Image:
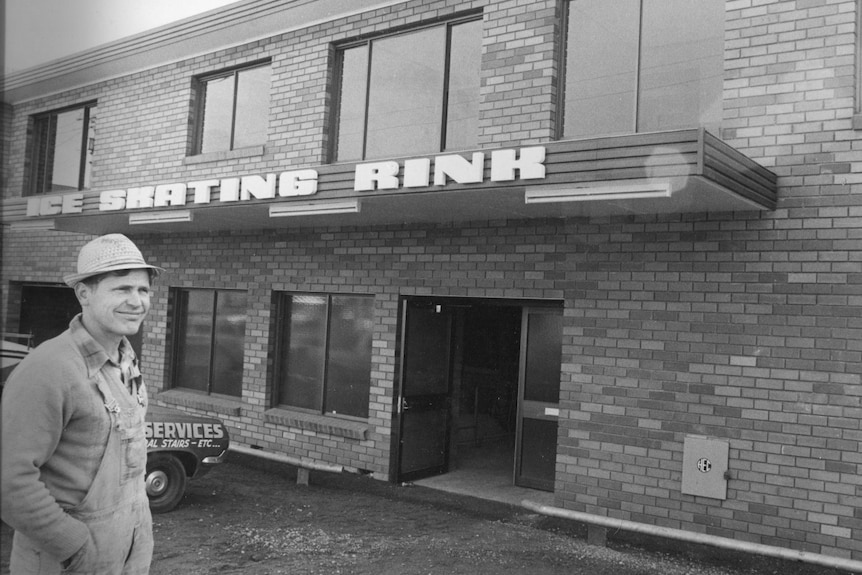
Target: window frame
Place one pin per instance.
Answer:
(282, 320)
(38, 165)
(179, 339)
(338, 63)
(200, 83)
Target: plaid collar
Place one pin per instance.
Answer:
(95, 356)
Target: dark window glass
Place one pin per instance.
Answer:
(422, 93)
(324, 359)
(348, 377)
(235, 109)
(62, 150)
(465, 62)
(218, 115)
(682, 70)
(210, 340)
(303, 351)
(229, 342)
(252, 107)
(544, 357)
(601, 68)
(351, 107)
(194, 339)
(405, 100)
(647, 65)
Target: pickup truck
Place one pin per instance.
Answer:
(180, 446)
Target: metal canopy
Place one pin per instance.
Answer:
(660, 173)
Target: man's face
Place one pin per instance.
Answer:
(115, 306)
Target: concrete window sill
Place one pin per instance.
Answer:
(320, 423)
(221, 405)
(250, 152)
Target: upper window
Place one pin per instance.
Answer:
(324, 353)
(210, 340)
(413, 93)
(644, 66)
(234, 109)
(62, 150)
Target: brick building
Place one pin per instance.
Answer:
(623, 250)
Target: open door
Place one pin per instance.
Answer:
(425, 387)
(539, 397)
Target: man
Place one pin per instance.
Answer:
(74, 451)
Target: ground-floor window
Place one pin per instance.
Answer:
(210, 340)
(324, 352)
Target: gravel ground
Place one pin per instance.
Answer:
(249, 516)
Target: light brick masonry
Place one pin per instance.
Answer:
(740, 326)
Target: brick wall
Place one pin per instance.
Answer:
(520, 72)
(743, 327)
(708, 327)
(143, 118)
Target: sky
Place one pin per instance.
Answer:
(38, 31)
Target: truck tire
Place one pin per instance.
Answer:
(166, 481)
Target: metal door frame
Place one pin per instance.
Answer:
(541, 306)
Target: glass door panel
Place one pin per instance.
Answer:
(539, 388)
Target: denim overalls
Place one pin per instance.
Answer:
(116, 508)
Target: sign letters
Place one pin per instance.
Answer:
(439, 171)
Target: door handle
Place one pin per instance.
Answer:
(404, 406)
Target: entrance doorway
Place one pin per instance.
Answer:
(478, 391)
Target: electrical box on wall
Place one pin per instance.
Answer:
(704, 467)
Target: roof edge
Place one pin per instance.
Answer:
(231, 25)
